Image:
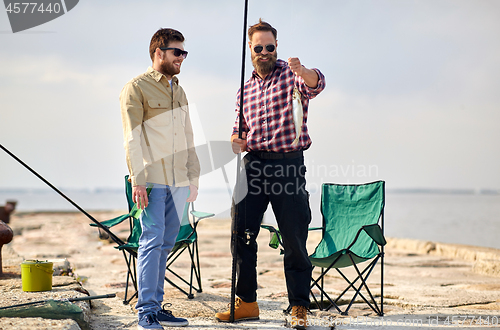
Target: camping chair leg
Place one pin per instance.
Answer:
(320, 307)
(132, 269)
(128, 276)
(332, 303)
(376, 309)
(176, 286)
(360, 277)
(191, 296)
(382, 270)
(171, 260)
(198, 269)
(323, 295)
(322, 286)
(315, 301)
(323, 273)
(363, 283)
(358, 290)
(382, 282)
(186, 239)
(195, 266)
(351, 284)
(134, 280)
(131, 274)
(321, 277)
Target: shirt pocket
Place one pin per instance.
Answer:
(183, 113)
(158, 113)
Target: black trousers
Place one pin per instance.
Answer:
(280, 182)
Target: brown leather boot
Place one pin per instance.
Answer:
(299, 317)
(242, 311)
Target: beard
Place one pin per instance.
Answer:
(264, 68)
(169, 69)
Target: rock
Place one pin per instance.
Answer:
(6, 235)
(487, 266)
(7, 210)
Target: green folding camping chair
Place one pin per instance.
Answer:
(351, 235)
(187, 239)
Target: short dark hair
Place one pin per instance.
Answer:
(162, 38)
(261, 26)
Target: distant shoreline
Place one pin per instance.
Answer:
(494, 192)
(442, 191)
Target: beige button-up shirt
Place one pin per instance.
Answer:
(157, 131)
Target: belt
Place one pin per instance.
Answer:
(276, 155)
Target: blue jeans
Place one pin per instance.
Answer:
(160, 223)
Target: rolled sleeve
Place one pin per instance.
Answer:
(310, 92)
(236, 126)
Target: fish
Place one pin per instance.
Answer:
(298, 115)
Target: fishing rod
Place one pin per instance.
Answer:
(110, 295)
(234, 225)
(113, 236)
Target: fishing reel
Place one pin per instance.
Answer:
(249, 237)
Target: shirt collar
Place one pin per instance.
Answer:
(157, 75)
(279, 64)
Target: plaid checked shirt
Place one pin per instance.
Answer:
(268, 110)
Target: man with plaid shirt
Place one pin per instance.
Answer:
(275, 171)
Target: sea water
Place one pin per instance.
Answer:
(472, 219)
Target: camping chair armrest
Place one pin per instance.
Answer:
(198, 216)
(201, 215)
(275, 240)
(112, 222)
(373, 231)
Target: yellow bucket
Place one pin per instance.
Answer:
(36, 275)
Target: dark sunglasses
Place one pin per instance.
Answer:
(270, 48)
(177, 52)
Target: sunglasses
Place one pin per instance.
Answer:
(177, 52)
(270, 48)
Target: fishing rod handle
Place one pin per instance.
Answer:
(109, 295)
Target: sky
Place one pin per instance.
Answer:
(411, 97)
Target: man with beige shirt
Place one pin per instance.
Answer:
(160, 153)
